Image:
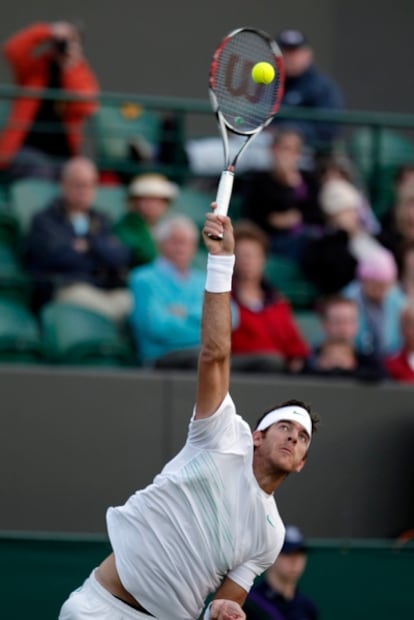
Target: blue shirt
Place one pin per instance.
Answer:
(264, 603)
(167, 308)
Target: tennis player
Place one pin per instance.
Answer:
(208, 524)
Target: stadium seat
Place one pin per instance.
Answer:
(14, 282)
(28, 197)
(395, 150)
(286, 276)
(111, 200)
(115, 126)
(20, 339)
(309, 325)
(9, 225)
(74, 335)
(193, 203)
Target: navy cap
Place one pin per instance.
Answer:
(294, 540)
(291, 38)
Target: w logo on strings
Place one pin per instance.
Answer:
(245, 87)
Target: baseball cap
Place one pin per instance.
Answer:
(153, 184)
(291, 38)
(294, 540)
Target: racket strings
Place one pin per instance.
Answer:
(245, 105)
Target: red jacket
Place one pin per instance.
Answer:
(31, 71)
(270, 330)
(398, 368)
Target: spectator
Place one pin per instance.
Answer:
(168, 297)
(149, 197)
(266, 338)
(329, 259)
(339, 166)
(407, 269)
(277, 596)
(72, 254)
(41, 132)
(284, 200)
(336, 353)
(400, 366)
(399, 229)
(379, 300)
(336, 358)
(404, 175)
(307, 87)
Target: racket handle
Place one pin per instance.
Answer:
(224, 191)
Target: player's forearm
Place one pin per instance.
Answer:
(216, 327)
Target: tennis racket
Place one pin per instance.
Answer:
(241, 105)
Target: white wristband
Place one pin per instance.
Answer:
(219, 273)
(206, 615)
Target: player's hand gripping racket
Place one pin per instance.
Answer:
(243, 104)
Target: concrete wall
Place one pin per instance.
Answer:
(75, 442)
(164, 48)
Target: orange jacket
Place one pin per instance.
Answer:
(31, 71)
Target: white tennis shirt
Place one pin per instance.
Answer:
(203, 517)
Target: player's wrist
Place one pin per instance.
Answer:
(219, 273)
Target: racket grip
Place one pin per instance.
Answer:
(224, 191)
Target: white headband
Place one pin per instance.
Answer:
(290, 412)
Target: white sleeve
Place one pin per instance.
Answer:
(225, 430)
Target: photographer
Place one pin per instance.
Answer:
(42, 133)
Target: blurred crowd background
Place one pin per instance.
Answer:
(109, 160)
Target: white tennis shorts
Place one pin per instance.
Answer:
(92, 602)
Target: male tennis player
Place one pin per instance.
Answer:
(208, 523)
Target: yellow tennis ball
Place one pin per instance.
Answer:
(263, 73)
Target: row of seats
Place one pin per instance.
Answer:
(70, 335)
(65, 334)
(26, 197)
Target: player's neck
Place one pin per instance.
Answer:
(267, 479)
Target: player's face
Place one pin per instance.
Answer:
(283, 446)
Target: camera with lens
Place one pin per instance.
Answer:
(60, 46)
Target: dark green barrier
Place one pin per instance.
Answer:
(362, 580)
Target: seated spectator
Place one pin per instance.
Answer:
(330, 258)
(276, 596)
(149, 196)
(266, 338)
(337, 353)
(400, 366)
(167, 296)
(339, 166)
(284, 200)
(41, 133)
(399, 229)
(71, 252)
(307, 87)
(379, 300)
(404, 175)
(406, 263)
(336, 357)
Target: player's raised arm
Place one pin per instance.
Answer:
(214, 360)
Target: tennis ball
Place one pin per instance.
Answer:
(263, 73)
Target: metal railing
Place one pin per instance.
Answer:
(176, 120)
